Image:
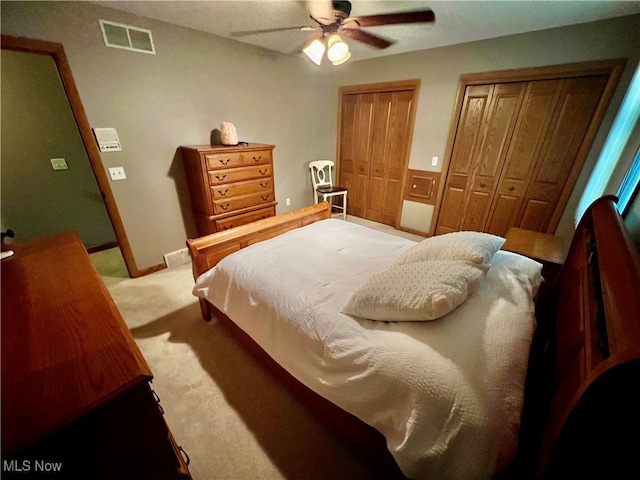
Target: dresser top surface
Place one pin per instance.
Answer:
(227, 148)
(65, 347)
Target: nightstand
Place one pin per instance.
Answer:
(541, 247)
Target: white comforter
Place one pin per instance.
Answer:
(447, 394)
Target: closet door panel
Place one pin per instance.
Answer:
(379, 155)
(468, 136)
(504, 109)
(572, 116)
(361, 154)
(531, 127)
(346, 177)
(396, 151)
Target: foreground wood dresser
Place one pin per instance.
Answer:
(229, 186)
(76, 397)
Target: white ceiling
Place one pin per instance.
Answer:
(457, 21)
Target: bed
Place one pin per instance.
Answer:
(484, 389)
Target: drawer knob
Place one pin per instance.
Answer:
(263, 172)
(414, 186)
(511, 188)
(223, 192)
(224, 206)
(482, 184)
(224, 161)
(221, 177)
(264, 197)
(264, 184)
(257, 159)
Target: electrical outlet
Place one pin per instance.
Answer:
(434, 161)
(117, 173)
(288, 201)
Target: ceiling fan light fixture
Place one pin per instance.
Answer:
(338, 50)
(343, 59)
(314, 51)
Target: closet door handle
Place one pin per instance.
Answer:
(511, 188)
(482, 185)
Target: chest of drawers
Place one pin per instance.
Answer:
(229, 186)
(76, 396)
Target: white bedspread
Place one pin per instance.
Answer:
(446, 394)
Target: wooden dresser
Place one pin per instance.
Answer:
(229, 186)
(76, 397)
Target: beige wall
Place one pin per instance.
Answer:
(196, 81)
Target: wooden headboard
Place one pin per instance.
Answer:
(593, 313)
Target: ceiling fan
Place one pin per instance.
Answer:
(333, 17)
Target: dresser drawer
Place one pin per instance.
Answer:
(236, 174)
(250, 187)
(237, 220)
(237, 203)
(237, 159)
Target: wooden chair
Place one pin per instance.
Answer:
(323, 189)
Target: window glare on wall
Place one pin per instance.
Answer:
(614, 145)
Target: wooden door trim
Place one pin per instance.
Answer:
(611, 68)
(397, 86)
(56, 51)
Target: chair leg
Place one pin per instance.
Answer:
(344, 207)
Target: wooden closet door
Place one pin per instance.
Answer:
(468, 136)
(472, 190)
(357, 111)
(390, 128)
(375, 132)
(530, 132)
(543, 200)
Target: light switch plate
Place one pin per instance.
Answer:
(434, 161)
(59, 164)
(117, 173)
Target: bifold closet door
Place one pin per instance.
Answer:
(486, 123)
(514, 152)
(375, 130)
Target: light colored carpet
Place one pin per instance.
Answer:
(235, 421)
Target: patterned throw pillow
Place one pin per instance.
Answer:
(416, 291)
(476, 247)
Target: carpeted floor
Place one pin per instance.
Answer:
(235, 421)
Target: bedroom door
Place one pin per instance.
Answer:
(518, 149)
(376, 127)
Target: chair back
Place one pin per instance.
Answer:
(321, 173)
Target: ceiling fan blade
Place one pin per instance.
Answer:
(368, 38)
(268, 30)
(416, 16)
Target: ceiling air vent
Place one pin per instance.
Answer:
(127, 37)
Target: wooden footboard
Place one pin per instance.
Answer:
(207, 251)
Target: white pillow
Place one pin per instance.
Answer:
(415, 291)
(476, 247)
